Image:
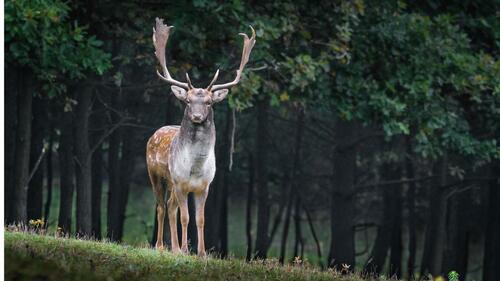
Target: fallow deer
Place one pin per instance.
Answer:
(183, 156)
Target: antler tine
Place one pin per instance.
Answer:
(248, 44)
(160, 38)
(190, 85)
(213, 80)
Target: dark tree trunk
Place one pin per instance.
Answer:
(297, 184)
(261, 242)
(456, 252)
(23, 137)
(315, 236)
(285, 189)
(491, 258)
(97, 180)
(292, 195)
(35, 186)
(223, 220)
(121, 169)
(114, 189)
(212, 206)
(286, 227)
(126, 172)
(342, 210)
(380, 249)
(10, 123)
(50, 174)
(97, 120)
(249, 207)
(67, 172)
(432, 259)
(396, 226)
(299, 240)
(83, 163)
(412, 229)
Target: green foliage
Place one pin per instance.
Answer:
(453, 276)
(419, 75)
(40, 37)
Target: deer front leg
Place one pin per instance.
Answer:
(182, 200)
(200, 199)
(172, 220)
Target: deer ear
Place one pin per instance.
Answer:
(179, 92)
(219, 95)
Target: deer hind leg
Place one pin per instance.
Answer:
(160, 209)
(172, 220)
(200, 199)
(182, 201)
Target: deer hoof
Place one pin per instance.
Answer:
(202, 254)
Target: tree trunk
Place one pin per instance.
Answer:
(126, 173)
(35, 186)
(342, 205)
(491, 258)
(249, 207)
(292, 194)
(299, 240)
(396, 226)
(23, 137)
(456, 251)
(314, 235)
(97, 180)
(389, 230)
(114, 189)
(50, 174)
(286, 227)
(412, 229)
(432, 259)
(97, 120)
(120, 169)
(223, 221)
(261, 242)
(10, 123)
(83, 163)
(380, 249)
(66, 172)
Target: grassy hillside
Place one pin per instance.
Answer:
(43, 257)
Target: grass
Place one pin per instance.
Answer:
(31, 256)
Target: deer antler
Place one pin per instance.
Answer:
(160, 38)
(248, 44)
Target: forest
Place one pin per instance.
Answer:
(363, 136)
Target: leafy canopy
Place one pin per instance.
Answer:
(40, 37)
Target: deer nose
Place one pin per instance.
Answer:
(197, 117)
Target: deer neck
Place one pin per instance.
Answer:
(198, 139)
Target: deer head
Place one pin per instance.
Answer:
(198, 100)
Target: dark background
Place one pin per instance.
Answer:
(365, 132)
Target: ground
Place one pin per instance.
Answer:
(31, 256)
